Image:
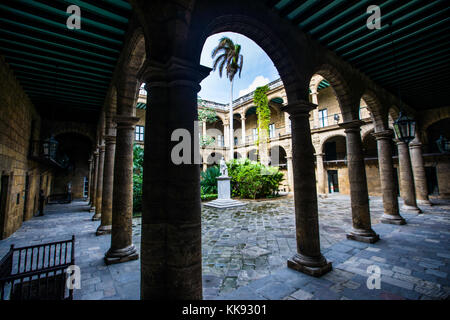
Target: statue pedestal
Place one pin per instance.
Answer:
(224, 200)
(224, 187)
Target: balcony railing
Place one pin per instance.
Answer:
(249, 96)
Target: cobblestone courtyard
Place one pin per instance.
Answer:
(245, 252)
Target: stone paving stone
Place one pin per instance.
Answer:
(267, 230)
(301, 295)
(242, 293)
(275, 290)
(437, 273)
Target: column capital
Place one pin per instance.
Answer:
(125, 122)
(415, 144)
(383, 135)
(175, 72)
(95, 153)
(352, 125)
(399, 142)
(299, 108)
(101, 148)
(319, 154)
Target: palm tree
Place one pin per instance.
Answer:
(228, 56)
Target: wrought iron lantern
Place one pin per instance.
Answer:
(443, 144)
(50, 146)
(405, 128)
(336, 117)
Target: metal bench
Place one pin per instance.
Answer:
(37, 272)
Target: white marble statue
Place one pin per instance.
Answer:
(223, 168)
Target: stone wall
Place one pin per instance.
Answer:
(19, 124)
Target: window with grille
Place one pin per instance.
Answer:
(272, 130)
(323, 118)
(139, 133)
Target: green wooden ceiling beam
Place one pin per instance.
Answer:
(410, 61)
(435, 40)
(27, 76)
(36, 87)
(61, 69)
(57, 74)
(57, 53)
(362, 29)
(49, 84)
(64, 15)
(416, 34)
(386, 38)
(49, 44)
(59, 25)
(73, 40)
(96, 10)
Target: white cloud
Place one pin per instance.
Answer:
(257, 82)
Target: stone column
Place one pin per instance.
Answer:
(308, 258)
(90, 180)
(359, 196)
(418, 168)
(108, 178)
(99, 192)
(226, 130)
(315, 100)
(287, 128)
(171, 262)
(204, 128)
(243, 129)
(406, 178)
(386, 167)
(94, 181)
(122, 248)
(321, 176)
(289, 172)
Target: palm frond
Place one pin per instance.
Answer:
(241, 63)
(230, 58)
(218, 60)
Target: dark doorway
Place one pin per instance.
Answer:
(333, 181)
(432, 180)
(330, 151)
(3, 203)
(25, 200)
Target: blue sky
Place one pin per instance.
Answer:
(257, 70)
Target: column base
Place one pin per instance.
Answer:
(103, 230)
(409, 208)
(97, 217)
(367, 236)
(92, 209)
(315, 267)
(121, 255)
(425, 203)
(390, 219)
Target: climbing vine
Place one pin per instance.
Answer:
(263, 113)
(207, 115)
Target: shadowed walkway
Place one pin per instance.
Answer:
(245, 252)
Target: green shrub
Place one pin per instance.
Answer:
(250, 179)
(207, 197)
(208, 182)
(138, 161)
